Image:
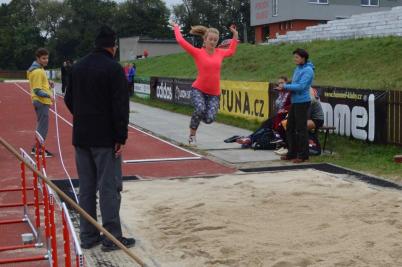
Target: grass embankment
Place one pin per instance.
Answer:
(353, 154)
(373, 63)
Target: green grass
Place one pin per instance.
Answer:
(361, 156)
(353, 154)
(373, 63)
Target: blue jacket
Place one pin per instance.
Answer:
(302, 80)
(131, 74)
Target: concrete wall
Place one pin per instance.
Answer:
(261, 10)
(131, 47)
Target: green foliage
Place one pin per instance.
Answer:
(68, 28)
(142, 18)
(19, 35)
(219, 14)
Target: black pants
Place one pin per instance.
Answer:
(63, 85)
(99, 170)
(297, 132)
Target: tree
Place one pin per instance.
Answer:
(50, 14)
(19, 35)
(68, 28)
(142, 18)
(219, 14)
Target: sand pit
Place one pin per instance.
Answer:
(297, 218)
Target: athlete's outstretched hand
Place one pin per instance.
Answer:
(172, 23)
(234, 31)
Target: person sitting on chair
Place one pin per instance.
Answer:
(281, 109)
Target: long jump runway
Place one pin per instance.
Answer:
(145, 155)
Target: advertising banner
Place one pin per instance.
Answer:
(182, 91)
(142, 87)
(164, 89)
(358, 113)
(244, 99)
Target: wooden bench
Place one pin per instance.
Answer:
(326, 130)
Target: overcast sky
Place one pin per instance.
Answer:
(168, 2)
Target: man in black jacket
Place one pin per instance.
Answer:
(98, 99)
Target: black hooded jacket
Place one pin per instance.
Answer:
(97, 97)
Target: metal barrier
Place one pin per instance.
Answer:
(50, 204)
(50, 230)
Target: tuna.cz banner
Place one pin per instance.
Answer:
(245, 99)
(242, 99)
(356, 113)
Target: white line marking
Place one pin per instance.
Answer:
(161, 159)
(197, 156)
(164, 141)
(66, 121)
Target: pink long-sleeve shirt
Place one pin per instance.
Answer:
(208, 66)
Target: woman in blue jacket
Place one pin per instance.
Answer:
(296, 131)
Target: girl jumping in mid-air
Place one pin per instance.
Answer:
(206, 91)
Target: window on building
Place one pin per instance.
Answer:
(370, 2)
(319, 1)
(274, 8)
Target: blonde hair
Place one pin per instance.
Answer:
(202, 30)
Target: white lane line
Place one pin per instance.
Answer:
(58, 115)
(197, 156)
(164, 141)
(159, 160)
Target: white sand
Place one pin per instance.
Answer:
(298, 218)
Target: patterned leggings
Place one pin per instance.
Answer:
(205, 108)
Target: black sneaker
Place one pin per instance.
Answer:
(89, 245)
(48, 154)
(108, 245)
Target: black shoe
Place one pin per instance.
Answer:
(108, 245)
(47, 153)
(232, 139)
(89, 245)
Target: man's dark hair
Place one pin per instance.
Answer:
(105, 38)
(302, 53)
(41, 52)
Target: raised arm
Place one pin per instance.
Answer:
(183, 43)
(233, 44)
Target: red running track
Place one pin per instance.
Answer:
(18, 123)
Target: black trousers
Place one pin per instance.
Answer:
(297, 132)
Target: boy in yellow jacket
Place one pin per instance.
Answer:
(41, 93)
